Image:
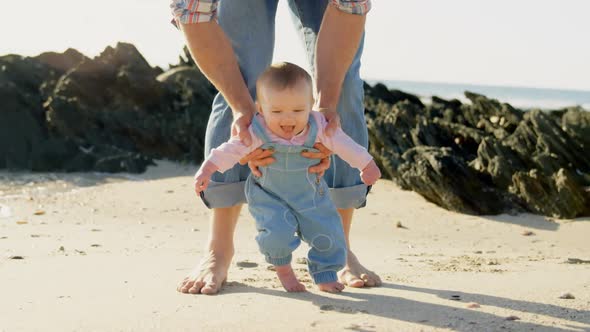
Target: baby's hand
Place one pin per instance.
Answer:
(201, 182)
(370, 173)
(203, 176)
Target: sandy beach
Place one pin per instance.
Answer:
(97, 252)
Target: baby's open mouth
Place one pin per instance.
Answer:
(288, 129)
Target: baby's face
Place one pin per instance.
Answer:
(286, 112)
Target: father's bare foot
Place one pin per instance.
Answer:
(288, 279)
(331, 287)
(208, 276)
(356, 275)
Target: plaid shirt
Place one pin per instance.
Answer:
(196, 11)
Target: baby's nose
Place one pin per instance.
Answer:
(288, 121)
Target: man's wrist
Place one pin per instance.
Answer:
(243, 110)
(327, 109)
(242, 113)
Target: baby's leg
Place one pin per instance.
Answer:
(288, 279)
(276, 238)
(322, 230)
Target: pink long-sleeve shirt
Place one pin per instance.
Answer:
(229, 153)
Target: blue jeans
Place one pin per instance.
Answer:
(250, 27)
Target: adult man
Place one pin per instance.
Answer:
(232, 42)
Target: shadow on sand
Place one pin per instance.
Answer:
(430, 314)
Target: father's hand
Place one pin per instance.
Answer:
(240, 127)
(333, 120)
(257, 158)
(324, 155)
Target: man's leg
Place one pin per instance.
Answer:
(250, 27)
(347, 190)
(354, 274)
(210, 274)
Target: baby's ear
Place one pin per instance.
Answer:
(259, 108)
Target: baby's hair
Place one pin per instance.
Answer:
(282, 75)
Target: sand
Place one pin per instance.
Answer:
(105, 253)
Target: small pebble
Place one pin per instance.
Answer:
(39, 212)
(271, 268)
(16, 257)
(512, 318)
(527, 233)
(455, 297)
(22, 222)
(194, 230)
(567, 296)
(399, 224)
(246, 264)
(473, 305)
(478, 252)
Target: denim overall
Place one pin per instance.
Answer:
(290, 204)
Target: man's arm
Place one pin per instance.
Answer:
(341, 31)
(214, 55)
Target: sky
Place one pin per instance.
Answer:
(530, 43)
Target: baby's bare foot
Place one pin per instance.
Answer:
(208, 276)
(356, 275)
(288, 279)
(331, 287)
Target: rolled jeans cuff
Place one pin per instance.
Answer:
(278, 261)
(325, 277)
(350, 197)
(221, 194)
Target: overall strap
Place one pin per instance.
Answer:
(313, 131)
(259, 130)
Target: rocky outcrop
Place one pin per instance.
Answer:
(485, 157)
(114, 112)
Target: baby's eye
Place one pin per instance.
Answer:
(298, 111)
(276, 112)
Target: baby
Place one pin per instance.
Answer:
(287, 202)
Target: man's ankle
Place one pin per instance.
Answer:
(221, 252)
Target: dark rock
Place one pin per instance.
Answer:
(558, 195)
(541, 141)
(497, 160)
(448, 181)
(62, 62)
(380, 91)
(483, 158)
(117, 100)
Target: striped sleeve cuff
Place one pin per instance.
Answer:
(357, 7)
(193, 11)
